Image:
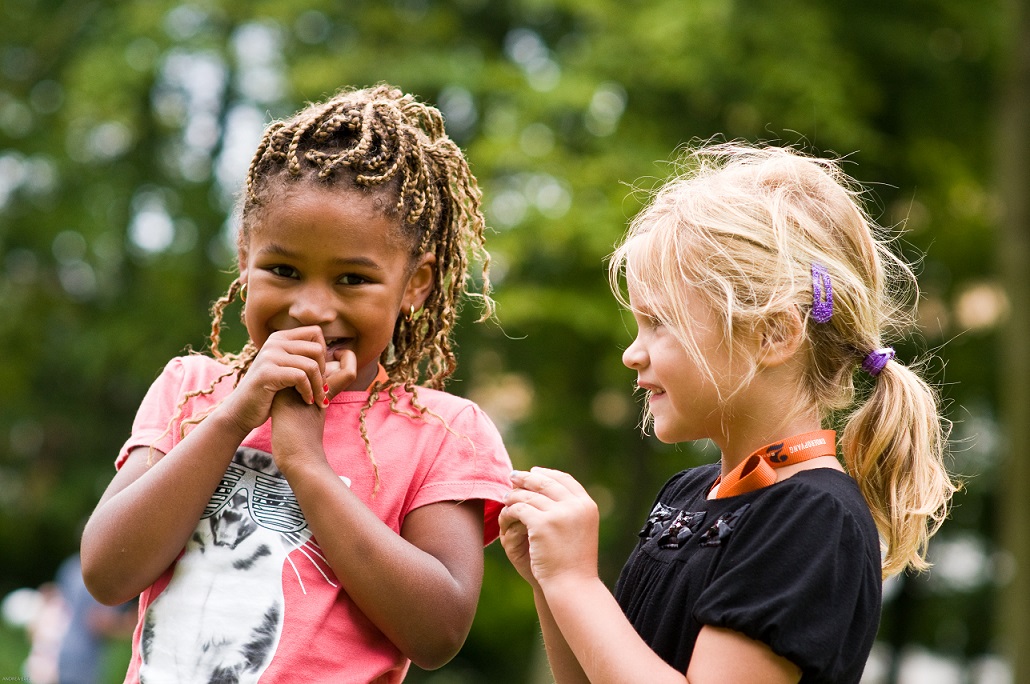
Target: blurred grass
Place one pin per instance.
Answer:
(14, 648)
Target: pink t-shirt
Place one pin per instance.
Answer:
(251, 598)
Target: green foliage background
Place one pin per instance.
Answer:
(125, 127)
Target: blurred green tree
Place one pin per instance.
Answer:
(1013, 253)
(126, 128)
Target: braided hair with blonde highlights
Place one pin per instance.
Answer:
(385, 143)
(382, 140)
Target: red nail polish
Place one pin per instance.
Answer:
(325, 387)
(325, 401)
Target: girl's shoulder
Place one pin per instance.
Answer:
(823, 503)
(197, 368)
(190, 373)
(194, 362)
(821, 488)
(819, 498)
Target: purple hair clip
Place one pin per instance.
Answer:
(875, 360)
(822, 294)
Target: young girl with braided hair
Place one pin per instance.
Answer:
(760, 290)
(302, 510)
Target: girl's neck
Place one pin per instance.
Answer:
(743, 439)
(772, 408)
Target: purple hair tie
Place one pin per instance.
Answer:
(822, 294)
(875, 360)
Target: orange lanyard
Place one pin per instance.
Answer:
(759, 469)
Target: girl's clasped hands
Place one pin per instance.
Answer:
(295, 359)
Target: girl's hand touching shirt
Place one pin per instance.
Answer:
(549, 526)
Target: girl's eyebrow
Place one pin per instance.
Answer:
(642, 310)
(274, 249)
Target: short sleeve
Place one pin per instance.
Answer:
(151, 426)
(472, 463)
(798, 576)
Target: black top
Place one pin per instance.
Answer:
(795, 565)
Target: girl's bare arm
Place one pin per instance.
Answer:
(147, 513)
(515, 540)
(420, 588)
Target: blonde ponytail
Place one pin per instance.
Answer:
(894, 445)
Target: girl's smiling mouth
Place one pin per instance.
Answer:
(648, 387)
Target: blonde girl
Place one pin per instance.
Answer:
(300, 510)
(764, 299)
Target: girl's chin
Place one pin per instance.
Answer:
(668, 434)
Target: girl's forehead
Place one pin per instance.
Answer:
(656, 291)
(377, 200)
(648, 252)
(644, 298)
(299, 200)
(330, 222)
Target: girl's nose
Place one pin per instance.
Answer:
(313, 305)
(634, 357)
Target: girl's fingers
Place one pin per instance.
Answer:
(302, 349)
(564, 479)
(551, 483)
(523, 513)
(312, 350)
(507, 520)
(307, 342)
(300, 380)
(537, 500)
(311, 333)
(310, 386)
(340, 374)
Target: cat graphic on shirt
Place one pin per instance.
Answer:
(220, 618)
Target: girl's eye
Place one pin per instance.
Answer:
(352, 279)
(283, 271)
(650, 322)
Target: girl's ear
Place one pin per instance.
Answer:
(781, 336)
(420, 283)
